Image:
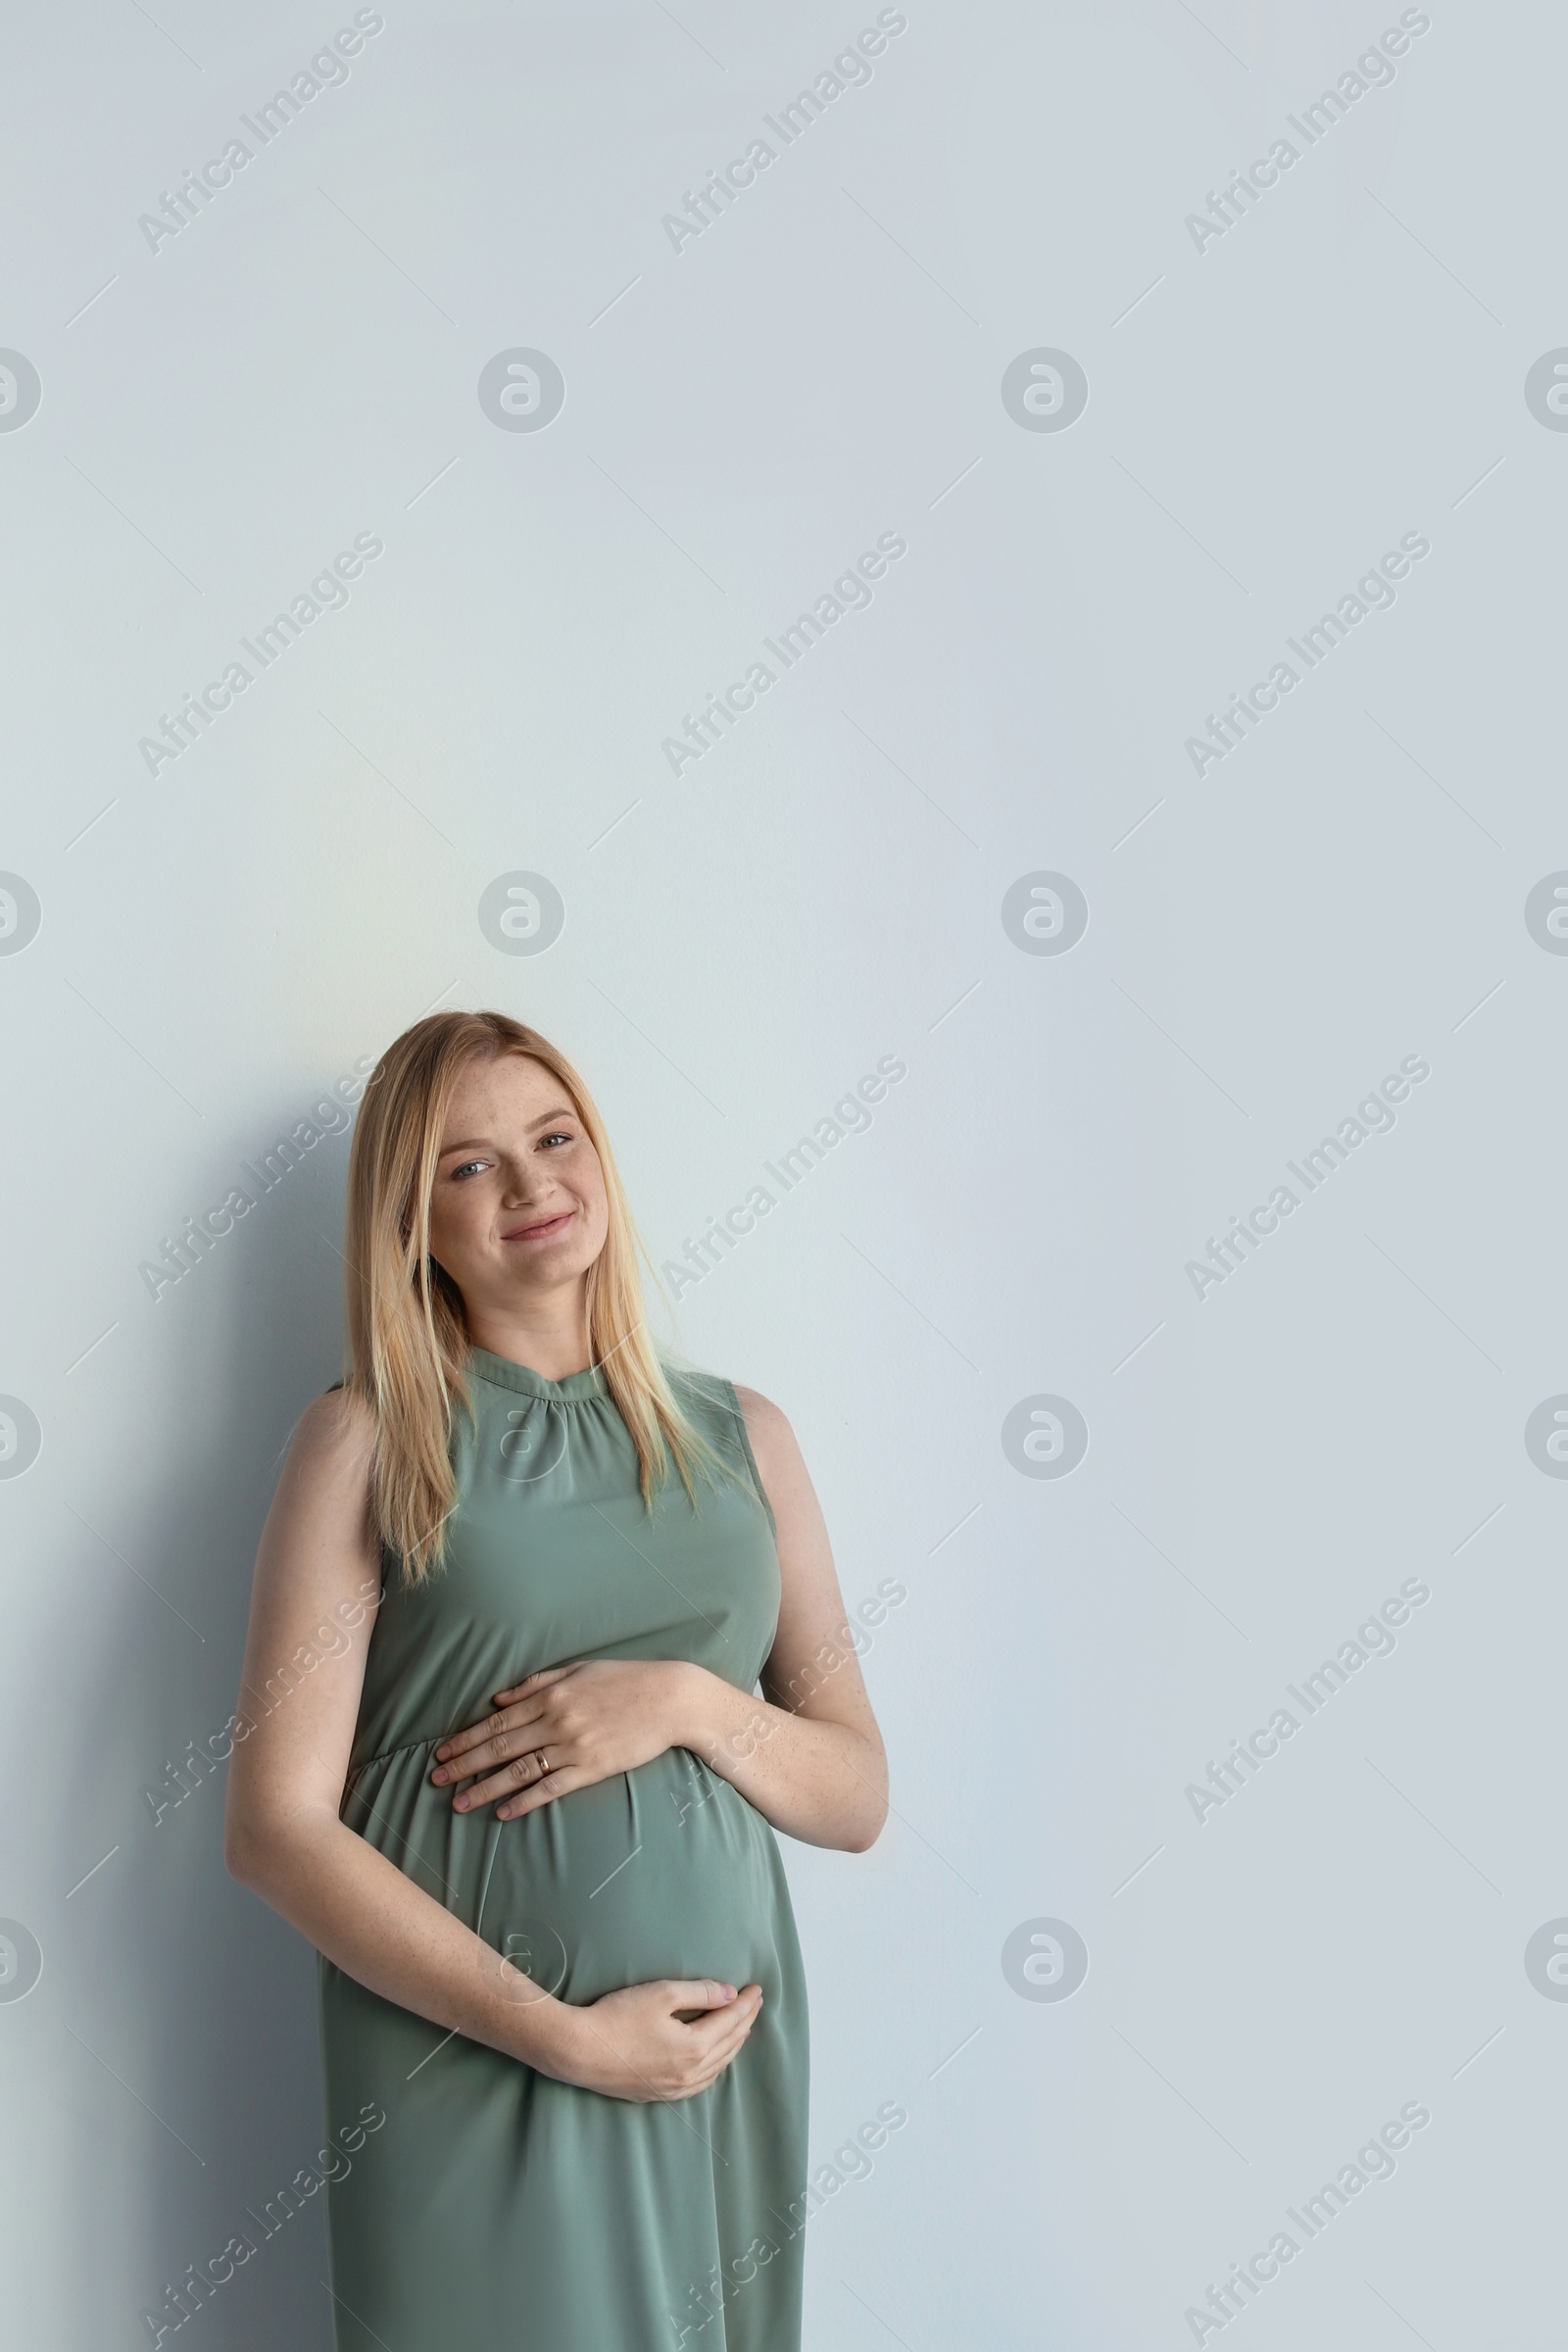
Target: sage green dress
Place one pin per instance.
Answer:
(496, 2209)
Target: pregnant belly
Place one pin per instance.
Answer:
(663, 1871)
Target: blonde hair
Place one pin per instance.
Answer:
(406, 1329)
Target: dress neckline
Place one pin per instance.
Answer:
(503, 1372)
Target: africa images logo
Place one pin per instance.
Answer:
(19, 391)
(521, 390)
(1373, 70)
(1373, 592)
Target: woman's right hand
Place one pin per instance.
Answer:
(664, 2040)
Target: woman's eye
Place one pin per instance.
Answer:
(466, 1165)
(559, 1138)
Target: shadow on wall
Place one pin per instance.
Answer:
(196, 1993)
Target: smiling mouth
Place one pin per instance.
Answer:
(543, 1231)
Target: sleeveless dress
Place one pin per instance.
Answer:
(493, 2207)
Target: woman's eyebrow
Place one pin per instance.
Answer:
(482, 1143)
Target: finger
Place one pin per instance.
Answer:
(554, 1784)
(475, 1734)
(724, 2053)
(509, 1749)
(699, 1993)
(522, 1773)
(532, 1682)
(456, 1741)
(737, 2016)
(724, 2059)
(730, 2036)
(494, 1743)
(738, 2023)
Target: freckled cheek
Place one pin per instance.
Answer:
(455, 1233)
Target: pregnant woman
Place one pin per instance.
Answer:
(502, 1759)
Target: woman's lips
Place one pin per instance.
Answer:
(542, 1231)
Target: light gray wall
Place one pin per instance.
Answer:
(227, 932)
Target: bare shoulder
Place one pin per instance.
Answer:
(767, 1427)
(339, 1422)
(761, 1414)
(320, 1523)
(329, 1454)
(773, 1444)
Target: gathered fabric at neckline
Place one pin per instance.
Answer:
(502, 1373)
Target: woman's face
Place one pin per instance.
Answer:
(519, 1205)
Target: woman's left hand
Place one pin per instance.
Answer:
(566, 1728)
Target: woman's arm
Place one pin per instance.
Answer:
(304, 1671)
(808, 1756)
